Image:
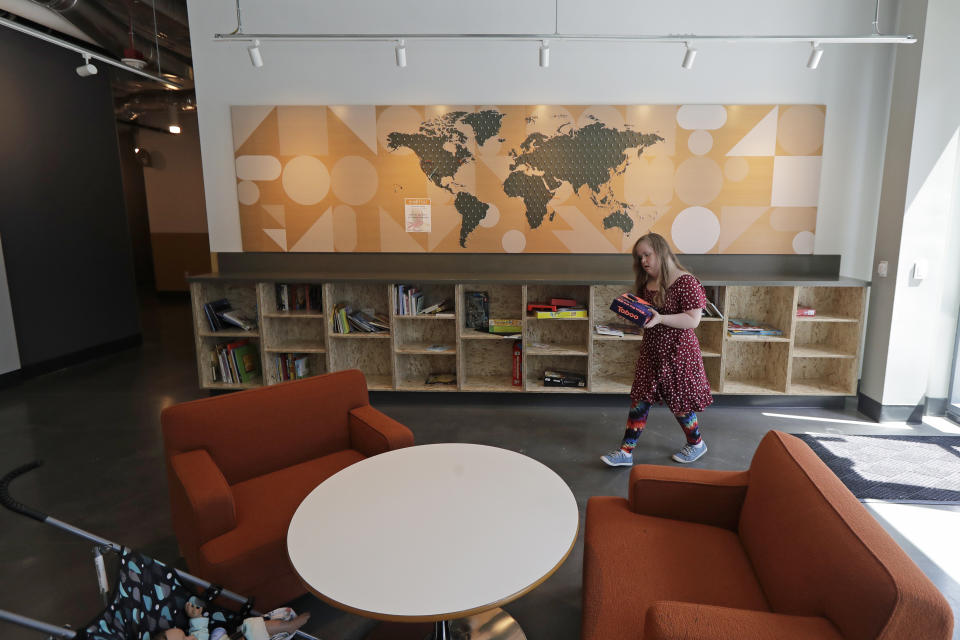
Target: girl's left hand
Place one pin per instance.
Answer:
(654, 321)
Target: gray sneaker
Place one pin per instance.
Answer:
(690, 452)
(618, 458)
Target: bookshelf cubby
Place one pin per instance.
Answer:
(817, 356)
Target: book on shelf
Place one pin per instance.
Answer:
(346, 320)
(562, 313)
(606, 330)
(477, 310)
(299, 297)
(237, 319)
(743, 327)
(213, 310)
(439, 307)
(557, 378)
(504, 326)
(439, 347)
(247, 362)
(806, 312)
(292, 366)
(441, 378)
(711, 310)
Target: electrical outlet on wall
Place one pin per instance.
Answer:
(882, 268)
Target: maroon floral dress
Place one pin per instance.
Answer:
(670, 366)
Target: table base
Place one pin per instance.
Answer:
(495, 624)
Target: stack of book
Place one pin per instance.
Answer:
(741, 327)
(292, 366)
(618, 330)
(235, 362)
(346, 320)
(555, 378)
(504, 326)
(558, 308)
(299, 297)
(220, 315)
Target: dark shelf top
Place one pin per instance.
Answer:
(399, 277)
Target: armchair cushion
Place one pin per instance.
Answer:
(265, 506)
(373, 432)
(689, 621)
(631, 561)
(206, 491)
(692, 495)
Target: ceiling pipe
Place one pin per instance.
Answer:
(113, 35)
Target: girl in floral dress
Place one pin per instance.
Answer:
(670, 366)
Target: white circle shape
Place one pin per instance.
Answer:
(306, 180)
(257, 168)
(700, 142)
(695, 230)
(803, 242)
(354, 180)
(514, 241)
(701, 116)
(492, 217)
(248, 192)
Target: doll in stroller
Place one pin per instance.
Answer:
(150, 601)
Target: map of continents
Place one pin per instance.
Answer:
(588, 156)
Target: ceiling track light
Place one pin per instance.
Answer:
(690, 54)
(544, 53)
(401, 53)
(86, 69)
(256, 59)
(816, 52)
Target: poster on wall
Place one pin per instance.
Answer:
(528, 179)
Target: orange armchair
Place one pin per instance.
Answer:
(782, 551)
(239, 465)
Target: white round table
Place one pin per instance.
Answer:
(435, 533)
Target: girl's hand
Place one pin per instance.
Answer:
(653, 321)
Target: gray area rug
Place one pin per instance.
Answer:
(917, 469)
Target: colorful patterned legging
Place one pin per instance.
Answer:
(637, 420)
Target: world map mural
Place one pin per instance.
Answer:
(541, 179)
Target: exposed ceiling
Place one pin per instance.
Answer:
(155, 31)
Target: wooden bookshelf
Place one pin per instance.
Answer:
(817, 355)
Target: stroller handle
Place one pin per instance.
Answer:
(12, 504)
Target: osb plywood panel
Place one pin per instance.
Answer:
(421, 331)
(536, 365)
(833, 302)
(710, 335)
(558, 333)
(412, 370)
(528, 178)
(755, 364)
(771, 305)
(299, 332)
(373, 357)
(488, 365)
(824, 376)
(832, 338)
(614, 361)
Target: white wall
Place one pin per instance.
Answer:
(853, 81)
(911, 334)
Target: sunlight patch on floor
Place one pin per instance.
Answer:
(932, 530)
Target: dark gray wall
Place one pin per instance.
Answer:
(62, 218)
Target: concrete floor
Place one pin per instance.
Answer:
(97, 427)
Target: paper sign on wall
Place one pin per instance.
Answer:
(417, 214)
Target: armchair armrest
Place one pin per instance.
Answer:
(668, 620)
(207, 493)
(373, 432)
(694, 495)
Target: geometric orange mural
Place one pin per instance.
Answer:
(534, 179)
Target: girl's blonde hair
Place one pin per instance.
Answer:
(668, 265)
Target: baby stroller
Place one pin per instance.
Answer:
(147, 596)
